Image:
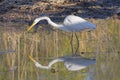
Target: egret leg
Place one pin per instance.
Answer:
(71, 40)
(77, 44)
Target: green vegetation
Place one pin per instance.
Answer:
(103, 42)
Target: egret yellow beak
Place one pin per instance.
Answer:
(31, 58)
(31, 27)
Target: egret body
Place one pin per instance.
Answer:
(71, 23)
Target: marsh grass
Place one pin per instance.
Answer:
(45, 46)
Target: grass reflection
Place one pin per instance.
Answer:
(103, 42)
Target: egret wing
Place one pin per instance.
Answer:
(71, 19)
(75, 23)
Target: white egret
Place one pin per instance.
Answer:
(71, 23)
(71, 63)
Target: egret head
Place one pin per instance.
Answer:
(33, 24)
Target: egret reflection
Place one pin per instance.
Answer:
(71, 63)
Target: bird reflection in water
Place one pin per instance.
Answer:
(71, 63)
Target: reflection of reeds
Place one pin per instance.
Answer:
(44, 46)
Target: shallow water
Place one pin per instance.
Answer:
(102, 44)
(105, 69)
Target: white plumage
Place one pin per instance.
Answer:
(71, 23)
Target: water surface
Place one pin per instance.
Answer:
(102, 44)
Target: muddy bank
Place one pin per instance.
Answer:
(13, 12)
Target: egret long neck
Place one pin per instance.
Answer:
(50, 22)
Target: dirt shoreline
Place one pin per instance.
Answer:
(13, 12)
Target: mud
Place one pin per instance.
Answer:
(13, 12)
